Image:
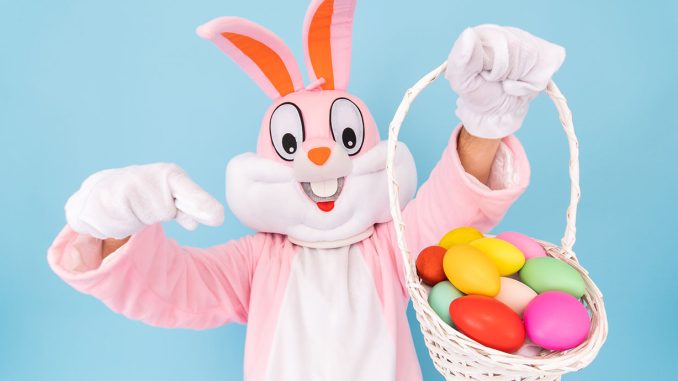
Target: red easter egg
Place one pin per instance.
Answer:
(430, 265)
(488, 321)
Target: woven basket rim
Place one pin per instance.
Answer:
(453, 353)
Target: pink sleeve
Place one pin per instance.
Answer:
(451, 198)
(153, 279)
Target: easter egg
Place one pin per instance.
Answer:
(430, 265)
(505, 256)
(529, 247)
(549, 274)
(488, 322)
(529, 349)
(556, 320)
(515, 294)
(440, 297)
(459, 236)
(471, 271)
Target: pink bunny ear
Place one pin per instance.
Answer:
(327, 42)
(258, 51)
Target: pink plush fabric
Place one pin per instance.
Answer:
(153, 279)
(340, 25)
(213, 31)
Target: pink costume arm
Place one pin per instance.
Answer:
(451, 198)
(153, 279)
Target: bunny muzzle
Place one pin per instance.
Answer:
(321, 169)
(312, 202)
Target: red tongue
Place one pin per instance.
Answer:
(325, 206)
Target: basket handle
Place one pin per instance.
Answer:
(560, 102)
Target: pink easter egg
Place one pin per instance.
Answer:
(515, 294)
(527, 245)
(556, 320)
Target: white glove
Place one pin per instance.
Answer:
(117, 203)
(497, 71)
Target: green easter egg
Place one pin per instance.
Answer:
(442, 294)
(550, 274)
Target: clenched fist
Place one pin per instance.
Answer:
(497, 71)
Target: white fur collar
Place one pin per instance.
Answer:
(334, 244)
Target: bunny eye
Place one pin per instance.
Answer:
(347, 125)
(287, 130)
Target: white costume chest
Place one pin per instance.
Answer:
(331, 324)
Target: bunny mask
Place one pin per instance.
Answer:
(319, 172)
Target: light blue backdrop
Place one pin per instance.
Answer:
(88, 85)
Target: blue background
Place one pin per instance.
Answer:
(89, 85)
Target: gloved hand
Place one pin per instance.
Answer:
(497, 71)
(116, 203)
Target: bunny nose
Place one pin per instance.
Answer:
(319, 155)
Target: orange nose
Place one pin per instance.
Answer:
(319, 155)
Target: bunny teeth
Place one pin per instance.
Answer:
(325, 188)
(322, 191)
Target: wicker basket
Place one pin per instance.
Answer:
(454, 354)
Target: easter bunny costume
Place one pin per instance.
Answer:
(320, 285)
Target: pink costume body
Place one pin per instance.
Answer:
(315, 311)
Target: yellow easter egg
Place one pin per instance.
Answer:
(459, 236)
(508, 258)
(471, 271)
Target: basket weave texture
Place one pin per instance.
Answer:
(458, 357)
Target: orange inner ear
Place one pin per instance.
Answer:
(266, 59)
(319, 47)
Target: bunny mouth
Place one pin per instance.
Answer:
(324, 193)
